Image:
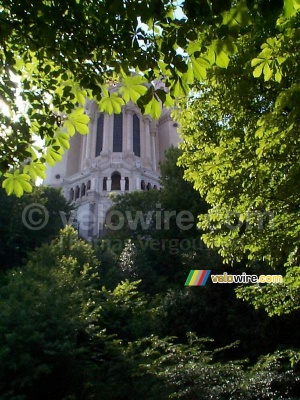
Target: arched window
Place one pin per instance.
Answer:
(126, 183)
(83, 189)
(118, 133)
(149, 186)
(88, 185)
(71, 195)
(77, 192)
(143, 185)
(99, 139)
(136, 136)
(116, 181)
(104, 184)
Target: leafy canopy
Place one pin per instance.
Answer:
(241, 151)
(241, 146)
(55, 55)
(26, 223)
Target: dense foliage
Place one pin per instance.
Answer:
(55, 55)
(241, 152)
(65, 336)
(115, 321)
(29, 221)
(159, 234)
(80, 322)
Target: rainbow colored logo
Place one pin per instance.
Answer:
(197, 277)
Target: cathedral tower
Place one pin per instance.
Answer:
(120, 154)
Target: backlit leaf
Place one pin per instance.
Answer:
(133, 87)
(63, 139)
(153, 108)
(17, 183)
(111, 104)
(36, 170)
(53, 156)
(199, 67)
(77, 121)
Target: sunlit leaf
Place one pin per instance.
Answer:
(199, 67)
(77, 121)
(53, 156)
(63, 139)
(17, 183)
(154, 108)
(36, 170)
(111, 104)
(133, 87)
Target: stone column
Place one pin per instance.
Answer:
(101, 217)
(83, 151)
(91, 137)
(147, 140)
(92, 183)
(109, 129)
(153, 145)
(92, 220)
(106, 133)
(108, 184)
(138, 183)
(122, 184)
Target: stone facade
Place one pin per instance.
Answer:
(121, 153)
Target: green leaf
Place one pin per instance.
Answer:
(189, 75)
(133, 87)
(278, 76)
(267, 72)
(218, 53)
(154, 108)
(63, 139)
(211, 55)
(77, 121)
(288, 8)
(169, 102)
(111, 104)
(53, 156)
(177, 89)
(262, 66)
(258, 70)
(237, 16)
(256, 61)
(193, 47)
(16, 183)
(199, 65)
(222, 59)
(35, 169)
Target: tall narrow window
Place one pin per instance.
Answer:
(118, 133)
(77, 192)
(116, 181)
(104, 184)
(83, 190)
(71, 195)
(99, 141)
(136, 136)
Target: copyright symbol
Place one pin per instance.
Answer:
(35, 216)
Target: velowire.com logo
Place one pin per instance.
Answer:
(197, 277)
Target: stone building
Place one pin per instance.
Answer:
(120, 154)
